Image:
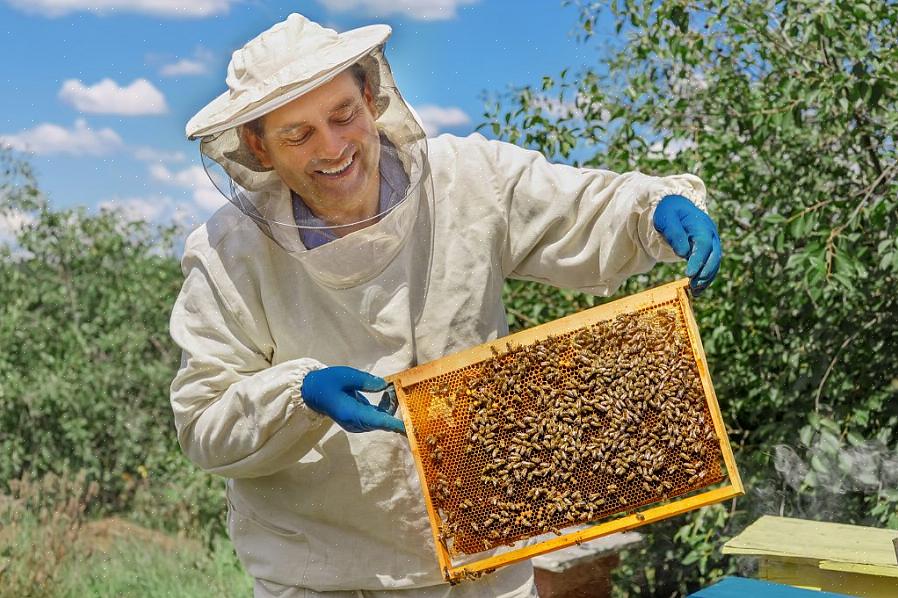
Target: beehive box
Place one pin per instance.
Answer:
(607, 417)
(824, 556)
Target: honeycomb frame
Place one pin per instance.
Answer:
(429, 415)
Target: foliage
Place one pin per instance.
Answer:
(87, 360)
(788, 112)
(18, 186)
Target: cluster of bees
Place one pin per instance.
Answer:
(570, 429)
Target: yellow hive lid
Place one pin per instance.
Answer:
(836, 546)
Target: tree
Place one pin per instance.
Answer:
(87, 359)
(788, 111)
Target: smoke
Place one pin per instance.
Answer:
(790, 466)
(746, 566)
(824, 477)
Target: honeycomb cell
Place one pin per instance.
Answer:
(571, 429)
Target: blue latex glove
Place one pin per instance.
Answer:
(693, 236)
(334, 391)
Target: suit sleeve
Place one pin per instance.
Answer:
(236, 415)
(580, 228)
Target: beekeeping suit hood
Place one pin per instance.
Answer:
(290, 59)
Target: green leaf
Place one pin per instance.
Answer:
(829, 442)
(845, 280)
(691, 558)
(876, 92)
(830, 429)
(854, 439)
(805, 435)
(810, 479)
(814, 420)
(680, 18)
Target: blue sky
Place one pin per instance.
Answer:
(100, 97)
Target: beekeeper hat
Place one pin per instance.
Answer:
(279, 65)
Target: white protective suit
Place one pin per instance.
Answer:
(310, 505)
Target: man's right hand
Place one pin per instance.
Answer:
(335, 392)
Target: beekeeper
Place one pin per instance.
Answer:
(353, 248)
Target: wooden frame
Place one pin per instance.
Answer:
(675, 292)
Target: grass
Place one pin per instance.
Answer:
(132, 567)
(114, 557)
(49, 548)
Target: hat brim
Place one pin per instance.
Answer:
(223, 113)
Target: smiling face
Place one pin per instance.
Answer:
(324, 145)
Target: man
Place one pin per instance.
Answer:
(356, 248)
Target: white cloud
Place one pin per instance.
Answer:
(692, 84)
(11, 223)
(184, 67)
(80, 140)
(209, 198)
(137, 208)
(185, 178)
(159, 209)
(436, 10)
(47, 138)
(107, 97)
(149, 154)
(437, 118)
(197, 65)
(556, 108)
(178, 9)
(205, 194)
(672, 150)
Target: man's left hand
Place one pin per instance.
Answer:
(693, 236)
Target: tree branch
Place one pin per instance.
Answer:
(886, 175)
(832, 362)
(522, 316)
